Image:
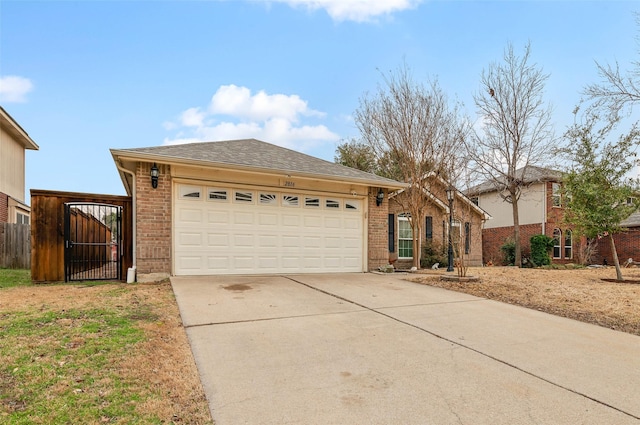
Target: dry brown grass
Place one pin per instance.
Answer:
(162, 363)
(579, 294)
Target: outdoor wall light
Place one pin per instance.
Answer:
(154, 175)
(379, 197)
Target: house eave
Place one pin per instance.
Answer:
(128, 156)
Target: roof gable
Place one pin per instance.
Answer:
(10, 125)
(528, 175)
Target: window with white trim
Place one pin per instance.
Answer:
(190, 192)
(568, 244)
(219, 195)
(352, 205)
(556, 195)
(557, 240)
(243, 197)
(405, 237)
(312, 202)
(332, 203)
(290, 200)
(268, 199)
(22, 218)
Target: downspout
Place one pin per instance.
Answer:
(131, 273)
(544, 208)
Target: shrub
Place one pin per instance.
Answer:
(509, 252)
(432, 253)
(541, 245)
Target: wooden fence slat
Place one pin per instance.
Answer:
(15, 246)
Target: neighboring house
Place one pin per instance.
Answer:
(540, 211)
(14, 141)
(246, 207)
(467, 223)
(627, 243)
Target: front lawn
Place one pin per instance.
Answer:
(98, 353)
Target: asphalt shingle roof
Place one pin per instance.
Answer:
(261, 155)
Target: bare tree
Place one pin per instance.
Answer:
(516, 128)
(615, 92)
(414, 125)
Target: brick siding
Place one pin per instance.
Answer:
(4, 208)
(627, 246)
(439, 238)
(378, 236)
(153, 209)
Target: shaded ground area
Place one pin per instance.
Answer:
(579, 294)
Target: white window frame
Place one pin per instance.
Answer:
(568, 238)
(288, 200)
(219, 191)
(557, 243)
(405, 218)
(186, 192)
(351, 205)
(239, 196)
(310, 202)
(268, 198)
(556, 195)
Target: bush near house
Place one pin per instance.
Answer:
(508, 250)
(541, 245)
(432, 253)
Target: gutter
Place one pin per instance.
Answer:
(131, 273)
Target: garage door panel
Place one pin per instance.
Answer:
(218, 217)
(243, 241)
(190, 239)
(243, 217)
(189, 215)
(279, 236)
(217, 240)
(268, 241)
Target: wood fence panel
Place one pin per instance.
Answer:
(15, 246)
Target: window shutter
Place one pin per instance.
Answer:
(392, 233)
(428, 225)
(467, 237)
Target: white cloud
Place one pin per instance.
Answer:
(238, 101)
(14, 88)
(192, 117)
(235, 113)
(355, 10)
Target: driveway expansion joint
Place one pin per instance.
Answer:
(457, 343)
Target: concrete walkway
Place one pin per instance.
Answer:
(375, 349)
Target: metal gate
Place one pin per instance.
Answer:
(92, 241)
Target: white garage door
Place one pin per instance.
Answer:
(223, 230)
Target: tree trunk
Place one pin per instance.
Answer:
(615, 258)
(516, 230)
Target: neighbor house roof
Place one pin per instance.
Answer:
(254, 155)
(13, 128)
(530, 174)
(632, 221)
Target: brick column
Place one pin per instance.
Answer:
(153, 232)
(378, 231)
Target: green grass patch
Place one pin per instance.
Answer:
(14, 277)
(60, 367)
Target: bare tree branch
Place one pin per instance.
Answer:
(516, 127)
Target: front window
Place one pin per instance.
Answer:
(405, 237)
(557, 238)
(568, 244)
(556, 195)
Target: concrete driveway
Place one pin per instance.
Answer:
(375, 349)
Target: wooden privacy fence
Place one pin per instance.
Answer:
(15, 246)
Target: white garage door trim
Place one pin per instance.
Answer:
(225, 229)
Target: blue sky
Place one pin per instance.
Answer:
(84, 77)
